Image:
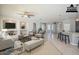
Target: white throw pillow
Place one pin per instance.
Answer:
(17, 44)
(34, 38)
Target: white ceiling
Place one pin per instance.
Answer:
(43, 12)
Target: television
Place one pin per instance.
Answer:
(10, 25)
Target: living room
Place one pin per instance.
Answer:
(36, 29)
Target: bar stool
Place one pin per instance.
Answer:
(59, 35)
(67, 39)
(63, 37)
(78, 43)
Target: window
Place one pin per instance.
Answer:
(66, 27)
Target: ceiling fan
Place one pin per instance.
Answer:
(26, 14)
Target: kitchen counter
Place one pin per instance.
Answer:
(74, 37)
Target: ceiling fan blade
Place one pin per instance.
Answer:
(25, 13)
(20, 14)
(31, 15)
(28, 13)
(20, 11)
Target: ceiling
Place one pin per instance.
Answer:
(43, 12)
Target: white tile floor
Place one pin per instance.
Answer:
(65, 49)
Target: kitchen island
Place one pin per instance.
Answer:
(73, 37)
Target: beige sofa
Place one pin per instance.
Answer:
(33, 44)
(5, 45)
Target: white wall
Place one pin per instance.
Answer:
(47, 13)
(17, 21)
(72, 24)
(59, 26)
